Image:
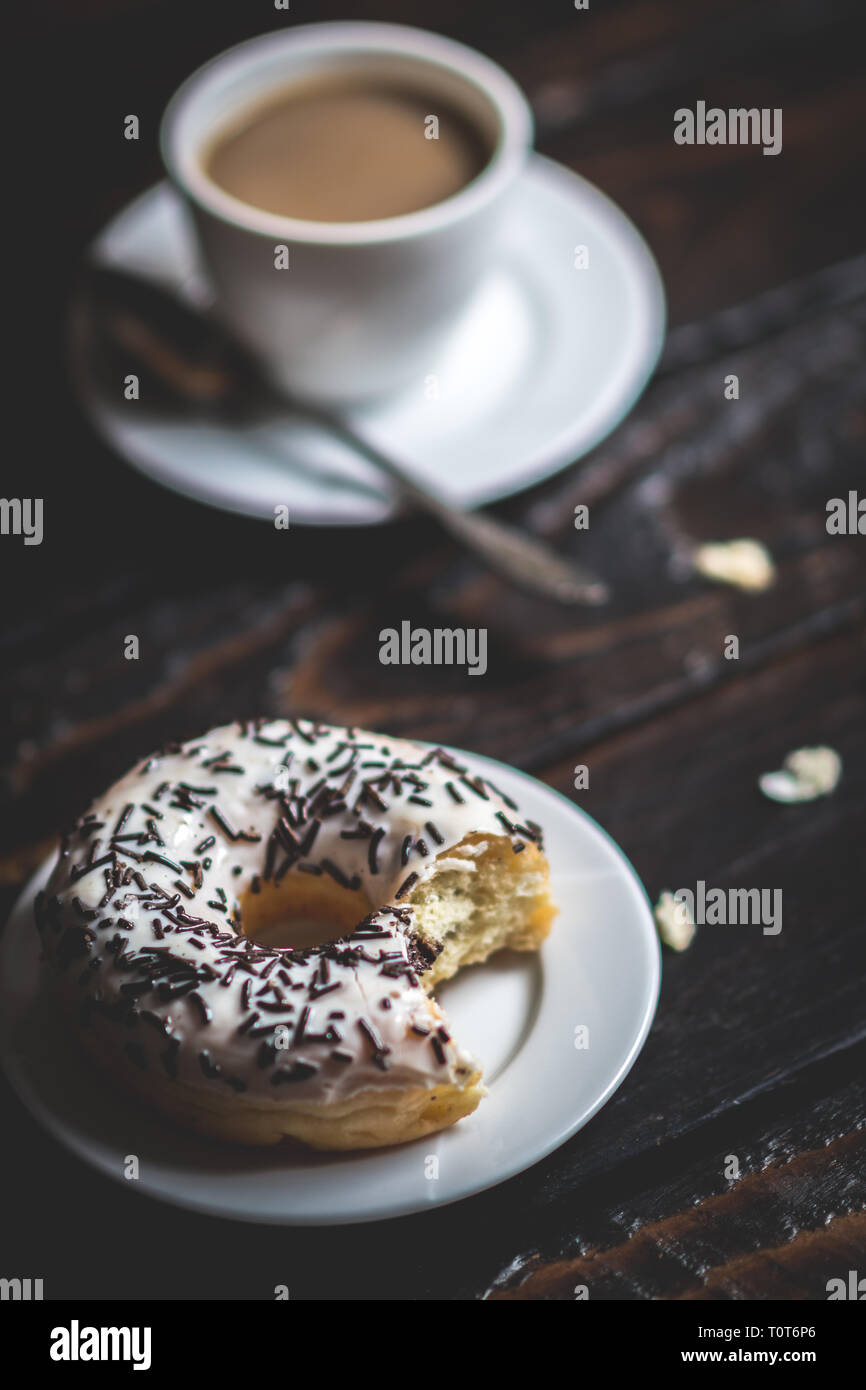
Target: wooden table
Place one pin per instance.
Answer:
(759, 1044)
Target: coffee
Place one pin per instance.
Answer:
(347, 150)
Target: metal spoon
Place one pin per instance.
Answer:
(195, 362)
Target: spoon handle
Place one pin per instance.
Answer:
(528, 563)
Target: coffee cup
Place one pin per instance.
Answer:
(344, 311)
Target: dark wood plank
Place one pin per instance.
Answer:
(708, 1250)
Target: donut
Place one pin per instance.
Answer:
(246, 928)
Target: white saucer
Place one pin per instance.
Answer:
(546, 361)
(519, 1013)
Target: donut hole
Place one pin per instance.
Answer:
(301, 912)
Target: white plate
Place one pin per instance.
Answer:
(599, 969)
(546, 360)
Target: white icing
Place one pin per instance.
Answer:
(313, 988)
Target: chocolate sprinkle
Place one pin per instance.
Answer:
(406, 885)
(204, 1009)
(373, 849)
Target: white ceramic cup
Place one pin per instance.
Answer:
(363, 305)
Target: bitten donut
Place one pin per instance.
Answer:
(183, 928)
